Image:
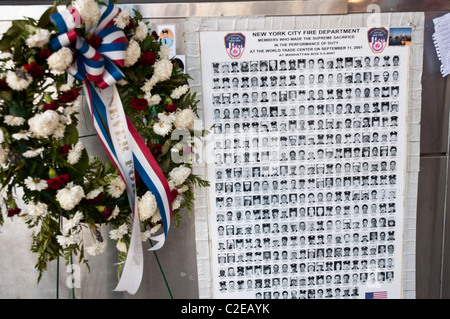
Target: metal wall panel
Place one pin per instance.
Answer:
(430, 213)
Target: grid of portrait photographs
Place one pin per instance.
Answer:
(306, 175)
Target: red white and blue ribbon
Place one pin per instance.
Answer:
(99, 69)
(101, 65)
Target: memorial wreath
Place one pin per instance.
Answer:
(137, 96)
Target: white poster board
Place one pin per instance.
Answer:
(308, 181)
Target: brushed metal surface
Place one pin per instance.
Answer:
(430, 235)
(359, 6)
(434, 115)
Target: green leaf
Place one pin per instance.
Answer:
(5, 43)
(71, 135)
(5, 95)
(45, 18)
(166, 147)
(83, 163)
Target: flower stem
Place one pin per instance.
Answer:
(162, 272)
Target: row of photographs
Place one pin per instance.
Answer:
(310, 64)
(310, 96)
(366, 152)
(255, 113)
(311, 239)
(283, 81)
(305, 197)
(340, 258)
(274, 129)
(318, 224)
(316, 169)
(312, 196)
(310, 291)
(261, 141)
(310, 266)
(312, 190)
(328, 293)
(354, 196)
(326, 189)
(310, 210)
(319, 168)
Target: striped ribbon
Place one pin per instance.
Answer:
(101, 65)
(122, 143)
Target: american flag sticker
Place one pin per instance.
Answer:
(376, 295)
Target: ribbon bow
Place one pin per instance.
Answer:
(100, 65)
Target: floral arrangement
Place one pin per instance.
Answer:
(64, 188)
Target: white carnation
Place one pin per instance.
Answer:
(182, 189)
(132, 54)
(148, 85)
(59, 130)
(176, 203)
(65, 87)
(75, 108)
(44, 124)
(66, 240)
(89, 11)
(96, 248)
(38, 39)
(155, 228)
(75, 153)
(21, 135)
(152, 99)
(2, 136)
(13, 120)
(114, 213)
(35, 184)
(162, 128)
(179, 174)
(94, 193)
(184, 119)
(116, 187)
(69, 224)
(145, 235)
(147, 206)
(162, 70)
(121, 246)
(179, 91)
(166, 117)
(18, 80)
(141, 32)
(118, 233)
(164, 51)
(155, 219)
(36, 209)
(60, 60)
(122, 19)
(70, 196)
(33, 152)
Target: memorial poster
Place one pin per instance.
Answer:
(309, 157)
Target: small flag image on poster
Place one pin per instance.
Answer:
(376, 295)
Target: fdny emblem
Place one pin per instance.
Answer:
(235, 45)
(378, 39)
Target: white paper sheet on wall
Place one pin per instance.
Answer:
(441, 39)
(309, 161)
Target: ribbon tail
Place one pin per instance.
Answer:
(160, 240)
(132, 272)
(110, 123)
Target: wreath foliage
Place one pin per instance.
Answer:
(63, 188)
